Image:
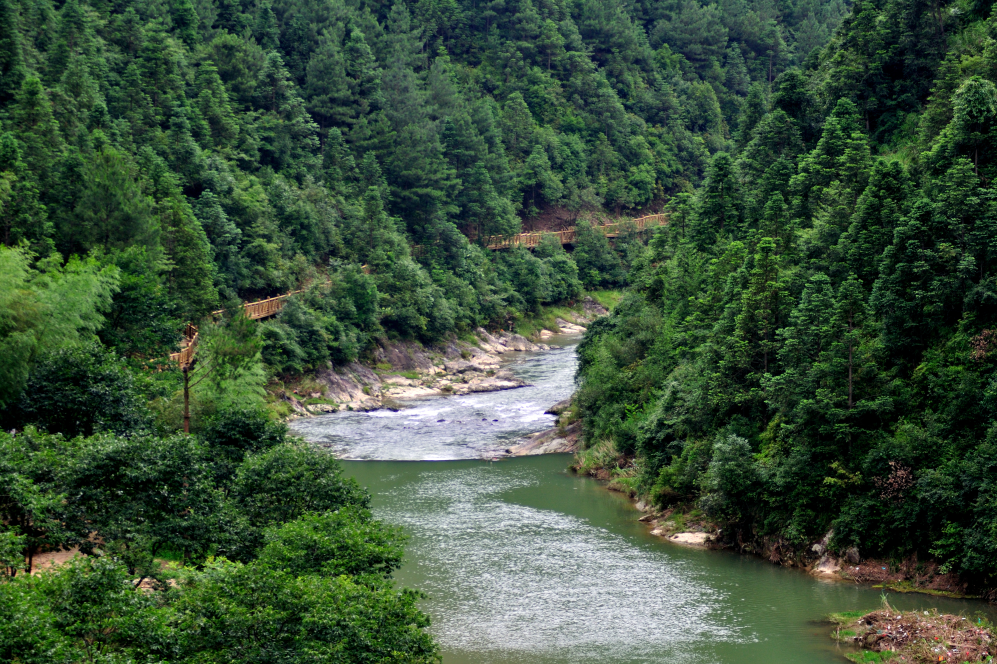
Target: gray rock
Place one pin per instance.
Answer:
(559, 407)
(852, 555)
(517, 342)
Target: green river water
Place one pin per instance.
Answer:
(523, 562)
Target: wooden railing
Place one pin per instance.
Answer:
(186, 354)
(254, 311)
(568, 236)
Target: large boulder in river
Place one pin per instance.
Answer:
(516, 342)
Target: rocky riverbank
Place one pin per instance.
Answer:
(691, 528)
(408, 370)
(564, 437)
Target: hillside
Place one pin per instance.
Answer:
(809, 349)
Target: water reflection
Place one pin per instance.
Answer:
(526, 564)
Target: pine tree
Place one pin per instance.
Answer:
(363, 74)
(598, 264)
(877, 212)
(971, 131)
(12, 70)
(191, 279)
(841, 155)
(517, 127)
(213, 104)
(329, 98)
(185, 20)
(540, 183)
(718, 207)
(806, 340)
(761, 312)
(288, 136)
(22, 216)
(35, 126)
(225, 239)
(266, 31)
(112, 212)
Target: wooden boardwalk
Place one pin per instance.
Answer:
(271, 306)
(496, 242)
(254, 311)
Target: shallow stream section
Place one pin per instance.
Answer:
(439, 428)
(524, 563)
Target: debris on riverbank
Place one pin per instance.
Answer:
(914, 636)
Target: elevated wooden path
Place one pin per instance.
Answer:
(271, 306)
(254, 310)
(568, 236)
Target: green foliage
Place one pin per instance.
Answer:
(79, 390)
(230, 371)
(346, 541)
(809, 346)
(215, 152)
(44, 308)
(319, 580)
(247, 613)
(230, 434)
(598, 265)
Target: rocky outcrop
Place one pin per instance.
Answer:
(408, 370)
(689, 539)
(552, 441)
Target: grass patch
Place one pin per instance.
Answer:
(845, 617)
(590, 461)
(909, 587)
(383, 366)
(320, 401)
(546, 319)
(607, 298)
(870, 656)
(625, 485)
(307, 385)
(280, 409)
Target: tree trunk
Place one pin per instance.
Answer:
(851, 348)
(186, 399)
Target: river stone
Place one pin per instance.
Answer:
(852, 555)
(488, 342)
(516, 342)
(826, 565)
(462, 366)
(690, 539)
(559, 407)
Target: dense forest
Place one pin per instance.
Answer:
(192, 154)
(809, 348)
(162, 160)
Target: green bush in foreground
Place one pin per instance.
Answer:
(307, 576)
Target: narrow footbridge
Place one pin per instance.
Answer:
(568, 236)
(271, 306)
(254, 311)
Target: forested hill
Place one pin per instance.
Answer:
(217, 149)
(810, 347)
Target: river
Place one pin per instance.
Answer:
(525, 563)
